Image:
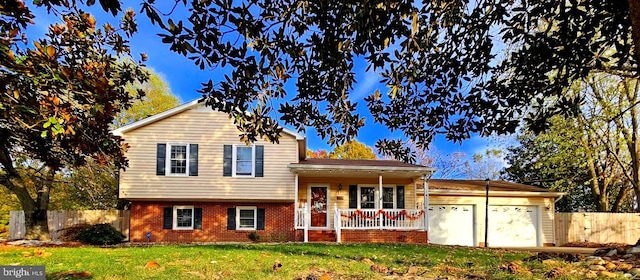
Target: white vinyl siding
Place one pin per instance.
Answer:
(211, 130)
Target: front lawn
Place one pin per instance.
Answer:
(272, 261)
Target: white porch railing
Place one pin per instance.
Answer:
(380, 219)
(300, 214)
(386, 219)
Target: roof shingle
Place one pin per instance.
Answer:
(479, 185)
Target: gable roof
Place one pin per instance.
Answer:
(446, 186)
(174, 111)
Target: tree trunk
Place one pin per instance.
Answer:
(35, 217)
(35, 211)
(634, 14)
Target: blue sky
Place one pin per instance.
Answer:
(184, 78)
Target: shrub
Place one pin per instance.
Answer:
(71, 233)
(278, 237)
(254, 236)
(100, 234)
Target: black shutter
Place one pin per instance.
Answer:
(353, 196)
(228, 157)
(260, 221)
(231, 218)
(259, 161)
(197, 218)
(400, 197)
(167, 219)
(160, 158)
(193, 159)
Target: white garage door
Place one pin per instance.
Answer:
(513, 226)
(451, 225)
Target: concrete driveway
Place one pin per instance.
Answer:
(566, 250)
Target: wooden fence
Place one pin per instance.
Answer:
(63, 219)
(597, 227)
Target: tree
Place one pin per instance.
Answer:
(443, 61)
(592, 155)
(320, 153)
(95, 185)
(353, 150)
(158, 98)
(485, 166)
(447, 166)
(60, 94)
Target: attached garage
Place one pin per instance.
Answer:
(451, 225)
(519, 215)
(513, 226)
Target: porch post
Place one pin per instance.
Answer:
(425, 202)
(306, 222)
(380, 199)
(295, 199)
(336, 223)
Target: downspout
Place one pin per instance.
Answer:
(295, 201)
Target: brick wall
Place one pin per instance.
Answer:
(382, 236)
(148, 217)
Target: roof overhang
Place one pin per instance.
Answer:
(333, 170)
(168, 113)
(491, 193)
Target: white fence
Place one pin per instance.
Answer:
(63, 219)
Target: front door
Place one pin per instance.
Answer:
(319, 196)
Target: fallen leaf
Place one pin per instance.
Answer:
(151, 264)
(379, 268)
(367, 261)
(276, 266)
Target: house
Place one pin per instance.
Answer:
(190, 179)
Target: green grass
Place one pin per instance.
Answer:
(255, 261)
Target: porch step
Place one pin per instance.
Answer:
(322, 236)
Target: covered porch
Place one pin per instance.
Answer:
(359, 200)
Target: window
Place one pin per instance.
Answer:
(388, 198)
(367, 198)
(243, 161)
(183, 217)
(177, 159)
(178, 155)
(246, 218)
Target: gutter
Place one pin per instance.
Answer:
(494, 193)
(295, 167)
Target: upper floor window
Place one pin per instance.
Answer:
(178, 154)
(243, 160)
(177, 159)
